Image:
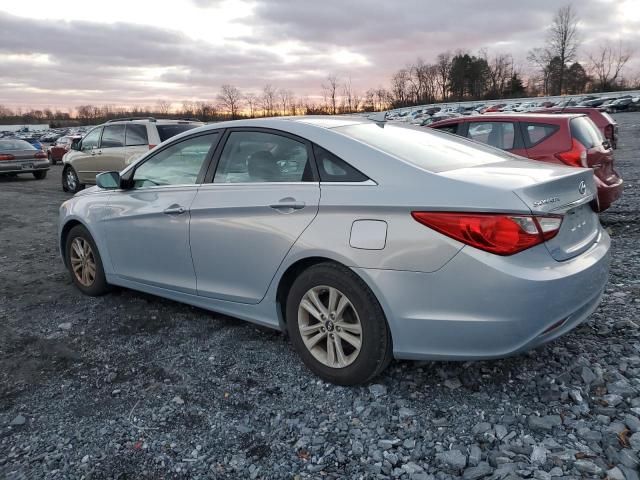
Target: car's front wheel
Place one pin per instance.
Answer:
(84, 262)
(70, 181)
(337, 325)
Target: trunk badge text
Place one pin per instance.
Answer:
(545, 201)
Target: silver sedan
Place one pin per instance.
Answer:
(364, 241)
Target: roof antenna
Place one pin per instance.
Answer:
(379, 117)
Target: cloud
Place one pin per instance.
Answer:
(291, 44)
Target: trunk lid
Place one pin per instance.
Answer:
(547, 189)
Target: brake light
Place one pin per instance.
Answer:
(498, 233)
(608, 132)
(576, 157)
(40, 155)
(6, 157)
(151, 147)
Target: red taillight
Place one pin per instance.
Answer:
(576, 157)
(608, 132)
(6, 157)
(502, 234)
(152, 146)
(40, 155)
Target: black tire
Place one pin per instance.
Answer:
(99, 286)
(40, 174)
(376, 346)
(69, 170)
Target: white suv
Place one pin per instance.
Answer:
(114, 145)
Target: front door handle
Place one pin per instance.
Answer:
(175, 210)
(287, 204)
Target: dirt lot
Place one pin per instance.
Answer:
(133, 386)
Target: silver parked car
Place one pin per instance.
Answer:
(18, 156)
(363, 240)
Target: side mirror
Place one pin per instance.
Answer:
(75, 145)
(108, 180)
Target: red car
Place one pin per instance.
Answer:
(556, 138)
(605, 123)
(57, 150)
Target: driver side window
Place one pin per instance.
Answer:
(179, 164)
(91, 139)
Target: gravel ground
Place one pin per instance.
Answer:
(131, 386)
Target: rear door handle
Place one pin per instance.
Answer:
(288, 204)
(174, 210)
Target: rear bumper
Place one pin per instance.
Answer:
(607, 194)
(24, 166)
(482, 306)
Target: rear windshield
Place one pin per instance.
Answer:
(168, 131)
(585, 131)
(15, 144)
(425, 148)
(608, 117)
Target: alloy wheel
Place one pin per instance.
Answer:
(330, 327)
(83, 262)
(71, 180)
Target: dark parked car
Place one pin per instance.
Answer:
(18, 156)
(605, 123)
(555, 138)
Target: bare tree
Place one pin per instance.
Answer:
(349, 104)
(330, 89)
(188, 108)
(230, 99)
(268, 100)
(400, 88)
(284, 96)
(443, 65)
(607, 63)
(205, 111)
(500, 70)
(561, 47)
(163, 107)
(251, 100)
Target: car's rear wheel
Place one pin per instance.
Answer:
(337, 325)
(70, 181)
(40, 175)
(84, 262)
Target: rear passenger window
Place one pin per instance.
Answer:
(535, 133)
(497, 134)
(136, 134)
(258, 157)
(334, 169)
(112, 136)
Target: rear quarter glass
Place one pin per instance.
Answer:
(583, 130)
(171, 130)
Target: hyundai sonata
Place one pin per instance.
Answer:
(364, 241)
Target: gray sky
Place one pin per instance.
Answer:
(69, 52)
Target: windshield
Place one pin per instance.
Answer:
(426, 148)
